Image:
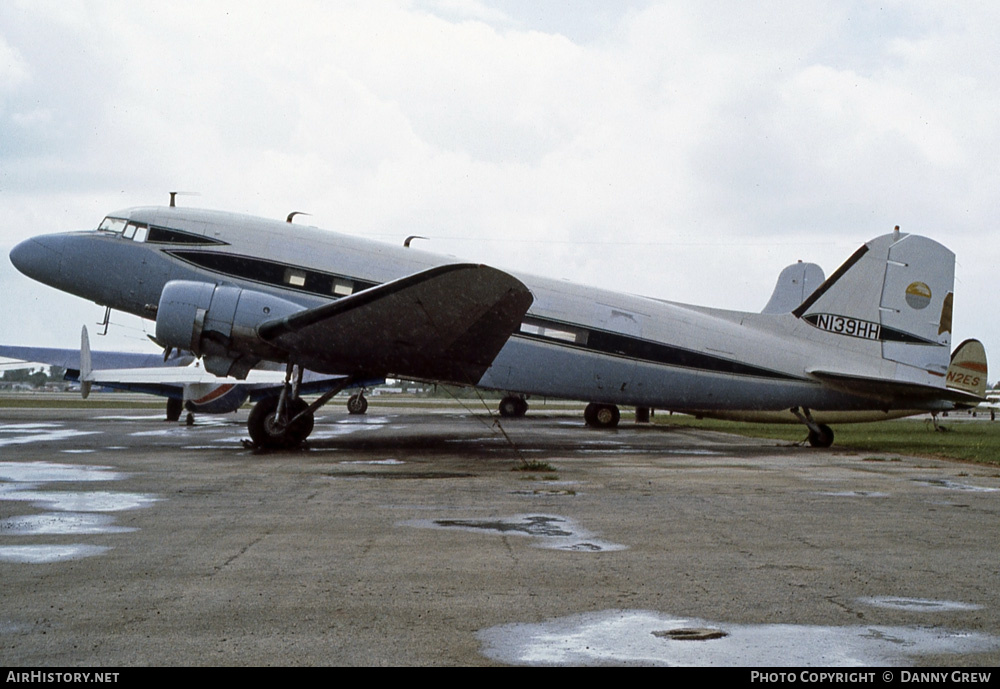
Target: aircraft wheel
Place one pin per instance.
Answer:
(266, 433)
(601, 415)
(357, 404)
(822, 439)
(513, 407)
(174, 409)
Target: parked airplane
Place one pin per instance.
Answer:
(237, 290)
(179, 377)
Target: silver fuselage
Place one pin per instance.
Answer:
(577, 342)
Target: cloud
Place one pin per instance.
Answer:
(685, 151)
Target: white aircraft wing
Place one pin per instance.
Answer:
(178, 375)
(446, 323)
(70, 358)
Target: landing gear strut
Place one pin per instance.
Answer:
(512, 406)
(601, 415)
(820, 435)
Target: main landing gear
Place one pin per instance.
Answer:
(513, 407)
(601, 415)
(820, 435)
(274, 429)
(287, 420)
(174, 408)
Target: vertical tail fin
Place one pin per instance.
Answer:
(896, 291)
(795, 283)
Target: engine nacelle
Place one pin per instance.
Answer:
(219, 323)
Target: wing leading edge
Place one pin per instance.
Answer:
(447, 323)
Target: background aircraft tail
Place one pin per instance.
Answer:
(967, 371)
(895, 292)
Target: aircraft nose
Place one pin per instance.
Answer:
(38, 258)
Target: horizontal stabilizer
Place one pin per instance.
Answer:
(447, 323)
(895, 393)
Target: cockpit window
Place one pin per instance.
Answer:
(115, 225)
(141, 232)
(135, 232)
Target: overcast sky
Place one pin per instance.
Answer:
(681, 150)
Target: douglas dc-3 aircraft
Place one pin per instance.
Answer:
(872, 340)
(179, 377)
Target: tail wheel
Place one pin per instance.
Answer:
(822, 438)
(601, 415)
(266, 432)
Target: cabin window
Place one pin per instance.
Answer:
(342, 288)
(559, 334)
(163, 235)
(295, 277)
(554, 332)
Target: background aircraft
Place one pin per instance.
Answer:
(180, 377)
(237, 290)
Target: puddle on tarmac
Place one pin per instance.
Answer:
(955, 485)
(61, 523)
(130, 417)
(347, 427)
(76, 512)
(918, 604)
(389, 461)
(67, 501)
(853, 494)
(25, 433)
(642, 637)
(41, 554)
(44, 472)
(557, 533)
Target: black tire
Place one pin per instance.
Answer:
(265, 433)
(822, 439)
(357, 404)
(174, 408)
(601, 415)
(512, 407)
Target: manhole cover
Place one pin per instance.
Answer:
(691, 634)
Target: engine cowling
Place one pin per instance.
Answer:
(219, 323)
